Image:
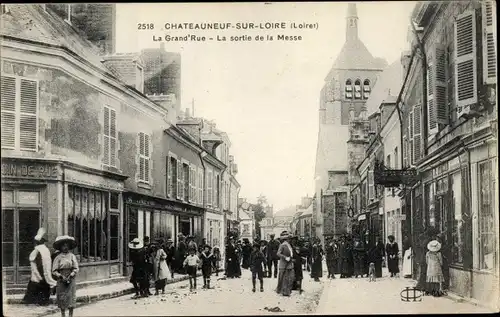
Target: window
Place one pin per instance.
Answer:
(200, 186)
(172, 177)
(192, 183)
(357, 89)
(185, 180)
(19, 113)
(109, 137)
(348, 89)
(94, 223)
(388, 161)
(366, 89)
(487, 247)
(458, 226)
(489, 42)
(180, 181)
(144, 157)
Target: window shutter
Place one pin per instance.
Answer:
(465, 61)
(371, 186)
(147, 157)
(105, 158)
(209, 189)
(410, 137)
(142, 159)
(417, 140)
(431, 103)
(28, 123)
(169, 177)
(112, 134)
(489, 42)
(200, 190)
(8, 106)
(440, 85)
(405, 149)
(179, 179)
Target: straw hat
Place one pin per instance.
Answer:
(434, 246)
(40, 234)
(284, 235)
(60, 240)
(135, 244)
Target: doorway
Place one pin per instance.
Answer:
(21, 219)
(185, 226)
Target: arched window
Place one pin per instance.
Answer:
(357, 89)
(348, 89)
(366, 89)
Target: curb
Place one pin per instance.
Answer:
(89, 299)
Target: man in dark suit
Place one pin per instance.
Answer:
(272, 257)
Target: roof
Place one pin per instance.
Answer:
(387, 87)
(286, 212)
(243, 215)
(331, 153)
(31, 22)
(355, 55)
(306, 212)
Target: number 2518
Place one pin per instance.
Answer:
(145, 26)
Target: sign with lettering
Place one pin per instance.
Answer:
(394, 178)
(22, 169)
(92, 180)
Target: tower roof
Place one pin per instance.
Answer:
(351, 10)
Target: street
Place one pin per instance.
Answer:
(228, 297)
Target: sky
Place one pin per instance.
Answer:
(265, 95)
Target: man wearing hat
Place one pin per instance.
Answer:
(41, 281)
(139, 278)
(170, 251)
(232, 259)
(272, 257)
(181, 254)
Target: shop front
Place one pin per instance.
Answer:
(157, 218)
(65, 199)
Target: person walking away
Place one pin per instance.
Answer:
(329, 257)
(217, 259)
(181, 254)
(41, 281)
(272, 257)
(246, 251)
(231, 258)
(207, 260)
(238, 259)
(392, 251)
(149, 253)
(378, 258)
(139, 278)
(161, 270)
(317, 261)
(434, 262)
(170, 251)
(358, 257)
(263, 249)
(64, 269)
(286, 271)
(191, 263)
(257, 266)
(297, 265)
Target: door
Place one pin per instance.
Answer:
(21, 219)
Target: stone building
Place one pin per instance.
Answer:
(342, 99)
(450, 136)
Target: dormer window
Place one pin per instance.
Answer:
(357, 89)
(348, 89)
(366, 89)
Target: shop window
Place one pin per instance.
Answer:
(113, 235)
(19, 113)
(487, 247)
(7, 237)
(87, 216)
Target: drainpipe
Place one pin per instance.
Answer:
(202, 154)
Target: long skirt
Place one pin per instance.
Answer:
(37, 293)
(359, 264)
(317, 268)
(66, 294)
(378, 268)
(393, 265)
(407, 263)
(286, 278)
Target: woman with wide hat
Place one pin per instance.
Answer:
(286, 276)
(64, 269)
(434, 262)
(139, 278)
(41, 281)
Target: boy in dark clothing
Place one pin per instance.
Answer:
(257, 262)
(217, 259)
(207, 259)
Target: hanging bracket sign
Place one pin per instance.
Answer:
(394, 178)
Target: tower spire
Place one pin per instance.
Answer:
(351, 22)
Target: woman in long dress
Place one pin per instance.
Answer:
(317, 262)
(286, 276)
(161, 272)
(41, 281)
(392, 251)
(434, 262)
(65, 268)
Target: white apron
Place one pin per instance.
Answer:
(407, 263)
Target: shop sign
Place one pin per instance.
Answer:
(92, 180)
(394, 178)
(30, 170)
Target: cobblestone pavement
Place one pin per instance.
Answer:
(230, 296)
(359, 296)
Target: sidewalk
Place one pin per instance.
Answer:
(359, 296)
(13, 305)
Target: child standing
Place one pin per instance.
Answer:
(207, 259)
(257, 260)
(217, 258)
(191, 264)
(434, 262)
